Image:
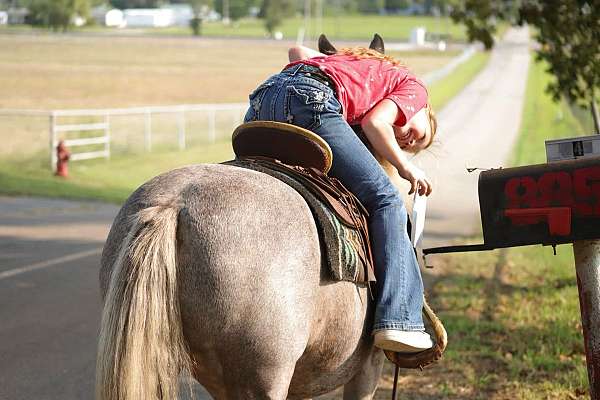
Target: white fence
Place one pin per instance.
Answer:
(95, 133)
(57, 130)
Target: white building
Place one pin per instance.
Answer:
(182, 13)
(148, 17)
(114, 18)
(3, 18)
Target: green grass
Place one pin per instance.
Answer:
(107, 180)
(513, 315)
(349, 27)
(543, 119)
(513, 323)
(442, 91)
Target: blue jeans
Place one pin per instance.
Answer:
(293, 97)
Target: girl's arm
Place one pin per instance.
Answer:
(297, 53)
(378, 127)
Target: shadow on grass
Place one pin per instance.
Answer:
(514, 332)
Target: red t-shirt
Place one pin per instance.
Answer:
(361, 83)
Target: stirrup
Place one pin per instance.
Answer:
(427, 357)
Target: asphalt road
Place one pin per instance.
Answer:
(49, 297)
(50, 249)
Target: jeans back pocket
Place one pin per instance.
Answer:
(304, 105)
(256, 100)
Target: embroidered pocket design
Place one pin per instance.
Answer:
(303, 106)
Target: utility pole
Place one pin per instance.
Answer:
(319, 17)
(307, 18)
(595, 116)
(226, 19)
(338, 10)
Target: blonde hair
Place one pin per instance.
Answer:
(432, 123)
(363, 52)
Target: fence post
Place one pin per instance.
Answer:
(53, 143)
(107, 134)
(148, 130)
(182, 129)
(211, 125)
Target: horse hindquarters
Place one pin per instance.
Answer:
(250, 269)
(248, 292)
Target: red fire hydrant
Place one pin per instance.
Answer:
(62, 155)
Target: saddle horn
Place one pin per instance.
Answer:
(325, 46)
(376, 44)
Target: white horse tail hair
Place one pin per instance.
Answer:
(141, 350)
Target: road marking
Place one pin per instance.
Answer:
(48, 263)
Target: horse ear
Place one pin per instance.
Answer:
(377, 44)
(325, 46)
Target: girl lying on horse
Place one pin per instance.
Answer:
(327, 94)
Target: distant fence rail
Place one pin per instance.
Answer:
(90, 133)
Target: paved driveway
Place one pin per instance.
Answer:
(478, 128)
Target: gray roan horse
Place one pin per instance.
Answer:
(216, 271)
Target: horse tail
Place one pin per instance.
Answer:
(141, 349)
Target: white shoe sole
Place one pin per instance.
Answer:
(403, 341)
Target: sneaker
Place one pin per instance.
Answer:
(402, 341)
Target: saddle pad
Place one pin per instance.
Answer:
(287, 143)
(340, 241)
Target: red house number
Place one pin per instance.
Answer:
(578, 189)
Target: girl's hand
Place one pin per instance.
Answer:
(417, 178)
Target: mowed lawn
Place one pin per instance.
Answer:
(56, 71)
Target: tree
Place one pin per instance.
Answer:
(274, 11)
(395, 5)
(568, 32)
(123, 4)
(237, 8)
(371, 6)
(57, 14)
(198, 7)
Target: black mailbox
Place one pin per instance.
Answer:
(547, 204)
(550, 203)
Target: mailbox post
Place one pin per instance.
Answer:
(549, 204)
(587, 265)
